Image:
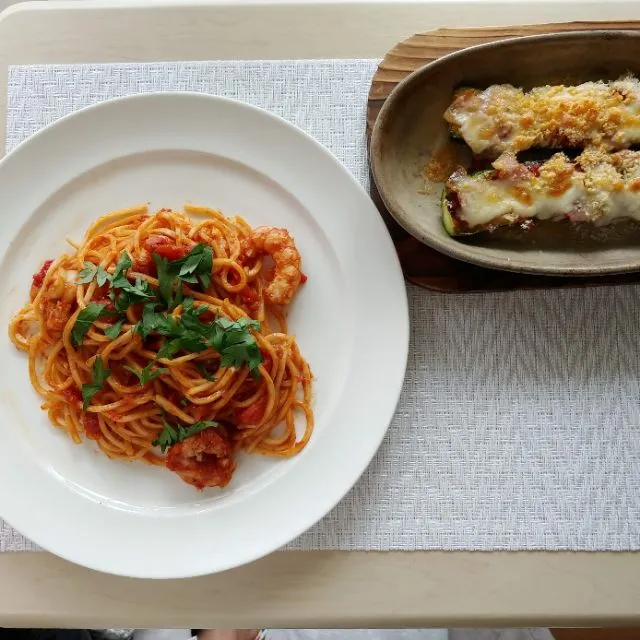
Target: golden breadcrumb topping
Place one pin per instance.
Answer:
(442, 163)
(556, 175)
(505, 118)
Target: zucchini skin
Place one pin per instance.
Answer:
(448, 221)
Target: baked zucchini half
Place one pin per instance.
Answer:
(461, 95)
(597, 188)
(450, 203)
(506, 118)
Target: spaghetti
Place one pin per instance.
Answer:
(165, 340)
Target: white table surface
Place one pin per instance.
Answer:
(299, 589)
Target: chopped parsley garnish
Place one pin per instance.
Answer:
(195, 267)
(231, 339)
(123, 294)
(147, 374)
(85, 320)
(92, 271)
(187, 332)
(113, 331)
(169, 349)
(124, 263)
(149, 320)
(100, 374)
(172, 434)
(234, 342)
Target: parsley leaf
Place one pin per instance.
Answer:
(150, 319)
(234, 342)
(169, 349)
(192, 429)
(102, 275)
(199, 263)
(129, 293)
(167, 437)
(124, 263)
(196, 265)
(113, 331)
(171, 435)
(189, 307)
(100, 374)
(186, 333)
(87, 274)
(231, 339)
(85, 320)
(92, 271)
(165, 281)
(122, 292)
(146, 375)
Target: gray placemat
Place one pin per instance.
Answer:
(519, 421)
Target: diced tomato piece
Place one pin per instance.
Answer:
(152, 242)
(303, 278)
(91, 426)
(72, 395)
(38, 278)
(254, 412)
(101, 292)
(108, 304)
(145, 264)
(198, 411)
(165, 247)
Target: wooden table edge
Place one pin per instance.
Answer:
(336, 590)
(302, 589)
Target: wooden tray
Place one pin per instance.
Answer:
(421, 264)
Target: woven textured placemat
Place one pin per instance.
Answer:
(519, 421)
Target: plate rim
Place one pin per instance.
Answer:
(209, 565)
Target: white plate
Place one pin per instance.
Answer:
(350, 320)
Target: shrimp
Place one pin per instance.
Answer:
(287, 275)
(203, 460)
(56, 314)
(58, 301)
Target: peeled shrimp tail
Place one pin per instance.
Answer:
(287, 273)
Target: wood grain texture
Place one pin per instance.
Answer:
(325, 589)
(423, 265)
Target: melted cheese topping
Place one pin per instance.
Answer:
(597, 188)
(505, 118)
